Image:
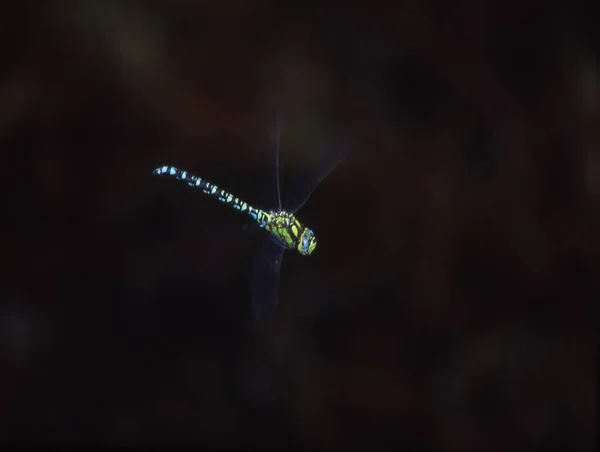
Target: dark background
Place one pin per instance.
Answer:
(452, 301)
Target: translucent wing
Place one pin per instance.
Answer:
(277, 168)
(333, 152)
(270, 186)
(265, 279)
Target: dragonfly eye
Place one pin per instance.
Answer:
(307, 242)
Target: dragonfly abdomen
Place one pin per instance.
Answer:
(260, 216)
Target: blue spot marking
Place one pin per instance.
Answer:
(173, 171)
(184, 174)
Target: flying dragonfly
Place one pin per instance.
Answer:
(285, 231)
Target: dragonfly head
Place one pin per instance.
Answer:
(307, 242)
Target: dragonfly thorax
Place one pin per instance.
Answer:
(290, 233)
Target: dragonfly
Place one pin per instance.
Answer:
(284, 230)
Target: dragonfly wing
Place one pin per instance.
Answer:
(305, 182)
(269, 191)
(265, 279)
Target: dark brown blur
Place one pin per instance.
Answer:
(451, 303)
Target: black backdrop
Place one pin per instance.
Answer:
(451, 303)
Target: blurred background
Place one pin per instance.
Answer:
(452, 301)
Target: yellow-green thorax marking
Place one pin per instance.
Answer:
(290, 233)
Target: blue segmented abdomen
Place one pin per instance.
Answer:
(260, 216)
